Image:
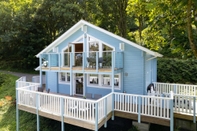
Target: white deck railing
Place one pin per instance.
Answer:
(96, 110)
(82, 109)
(27, 98)
(49, 103)
(104, 106)
(181, 89)
(145, 105)
(21, 83)
(184, 104)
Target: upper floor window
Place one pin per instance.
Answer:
(97, 45)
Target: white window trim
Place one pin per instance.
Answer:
(59, 78)
(100, 42)
(99, 85)
(66, 47)
(92, 85)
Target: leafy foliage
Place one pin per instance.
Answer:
(177, 70)
(2, 79)
(28, 26)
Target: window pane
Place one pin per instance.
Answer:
(107, 48)
(67, 56)
(62, 76)
(93, 44)
(93, 79)
(68, 77)
(116, 80)
(106, 80)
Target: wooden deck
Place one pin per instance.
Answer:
(148, 114)
(79, 68)
(146, 119)
(91, 125)
(69, 120)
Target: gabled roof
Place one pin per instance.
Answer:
(78, 25)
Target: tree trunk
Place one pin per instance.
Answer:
(140, 19)
(121, 19)
(189, 28)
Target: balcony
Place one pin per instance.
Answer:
(83, 61)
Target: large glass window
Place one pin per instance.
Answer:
(93, 79)
(67, 56)
(93, 44)
(116, 80)
(104, 81)
(64, 77)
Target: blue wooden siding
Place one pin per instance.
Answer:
(52, 81)
(133, 80)
(70, 39)
(64, 89)
(104, 37)
(150, 70)
(154, 70)
(138, 72)
(54, 60)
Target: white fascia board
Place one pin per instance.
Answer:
(37, 68)
(83, 22)
(123, 39)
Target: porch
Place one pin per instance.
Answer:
(92, 114)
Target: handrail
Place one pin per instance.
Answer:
(91, 59)
(183, 89)
(142, 104)
(102, 98)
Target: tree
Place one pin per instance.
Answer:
(191, 17)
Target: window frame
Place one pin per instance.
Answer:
(66, 78)
(100, 82)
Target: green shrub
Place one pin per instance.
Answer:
(134, 128)
(2, 79)
(177, 71)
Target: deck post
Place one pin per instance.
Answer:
(49, 56)
(112, 81)
(105, 125)
(40, 61)
(171, 112)
(113, 106)
(139, 109)
(62, 113)
(194, 109)
(59, 61)
(71, 76)
(97, 64)
(17, 111)
(83, 61)
(37, 111)
(96, 116)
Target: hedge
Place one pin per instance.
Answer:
(177, 71)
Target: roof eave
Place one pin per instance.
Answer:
(62, 37)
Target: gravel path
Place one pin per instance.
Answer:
(28, 76)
